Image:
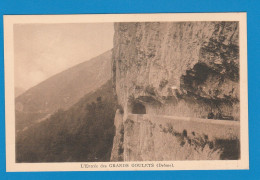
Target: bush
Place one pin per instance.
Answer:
(200, 147)
(150, 90)
(163, 83)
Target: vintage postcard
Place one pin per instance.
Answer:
(126, 92)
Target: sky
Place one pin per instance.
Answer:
(43, 50)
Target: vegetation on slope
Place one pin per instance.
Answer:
(83, 133)
(199, 147)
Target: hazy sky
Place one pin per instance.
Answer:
(42, 50)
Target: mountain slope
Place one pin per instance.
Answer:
(61, 91)
(18, 91)
(83, 133)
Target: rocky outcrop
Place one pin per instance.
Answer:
(190, 65)
(187, 69)
(118, 142)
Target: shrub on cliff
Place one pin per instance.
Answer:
(199, 147)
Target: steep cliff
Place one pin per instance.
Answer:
(181, 69)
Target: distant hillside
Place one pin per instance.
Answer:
(83, 133)
(61, 91)
(18, 91)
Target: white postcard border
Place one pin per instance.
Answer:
(11, 165)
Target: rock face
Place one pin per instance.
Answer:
(118, 142)
(173, 68)
(170, 63)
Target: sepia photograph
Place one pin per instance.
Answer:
(126, 92)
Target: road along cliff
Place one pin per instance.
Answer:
(176, 69)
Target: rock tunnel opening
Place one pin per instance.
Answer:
(138, 108)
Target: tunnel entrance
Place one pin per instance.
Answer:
(138, 108)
